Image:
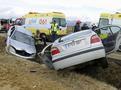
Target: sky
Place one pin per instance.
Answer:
(74, 9)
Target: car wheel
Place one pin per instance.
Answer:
(103, 62)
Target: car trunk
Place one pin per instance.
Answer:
(75, 45)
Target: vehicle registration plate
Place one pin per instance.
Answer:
(80, 42)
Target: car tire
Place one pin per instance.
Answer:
(103, 62)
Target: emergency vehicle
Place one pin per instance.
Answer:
(42, 21)
(112, 19)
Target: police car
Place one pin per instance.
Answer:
(20, 42)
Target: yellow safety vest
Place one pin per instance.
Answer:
(103, 36)
(54, 27)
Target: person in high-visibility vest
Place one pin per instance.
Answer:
(54, 30)
(103, 36)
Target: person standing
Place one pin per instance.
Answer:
(77, 27)
(54, 31)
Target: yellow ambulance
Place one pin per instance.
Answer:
(110, 19)
(42, 21)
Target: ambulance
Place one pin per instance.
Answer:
(110, 19)
(42, 21)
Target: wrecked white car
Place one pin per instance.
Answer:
(74, 49)
(20, 42)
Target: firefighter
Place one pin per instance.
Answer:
(54, 30)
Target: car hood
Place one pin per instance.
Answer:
(22, 46)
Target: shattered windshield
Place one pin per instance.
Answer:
(24, 38)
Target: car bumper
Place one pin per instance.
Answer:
(78, 58)
(25, 57)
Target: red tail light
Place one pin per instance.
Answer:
(55, 51)
(95, 39)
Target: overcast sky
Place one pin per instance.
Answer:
(84, 9)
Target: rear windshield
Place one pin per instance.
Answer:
(76, 35)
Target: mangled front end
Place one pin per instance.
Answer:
(21, 43)
(24, 51)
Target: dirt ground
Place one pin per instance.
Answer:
(21, 74)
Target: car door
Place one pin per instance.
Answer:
(108, 38)
(117, 35)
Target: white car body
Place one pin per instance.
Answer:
(20, 42)
(75, 49)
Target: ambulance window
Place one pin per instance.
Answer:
(62, 22)
(103, 22)
(57, 20)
